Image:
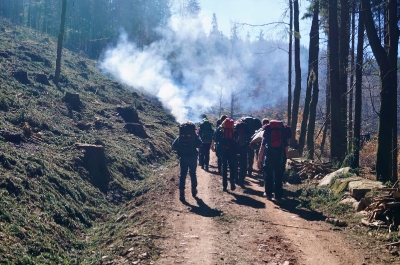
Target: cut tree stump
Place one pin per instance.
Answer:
(73, 100)
(136, 129)
(129, 114)
(42, 79)
(12, 137)
(95, 162)
(21, 76)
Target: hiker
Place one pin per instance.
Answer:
(185, 145)
(243, 139)
(254, 124)
(214, 144)
(272, 157)
(227, 146)
(206, 133)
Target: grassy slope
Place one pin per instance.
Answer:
(50, 213)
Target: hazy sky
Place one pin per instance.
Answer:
(252, 12)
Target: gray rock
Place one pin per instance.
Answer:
(328, 178)
(359, 188)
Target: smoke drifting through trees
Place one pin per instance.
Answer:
(189, 70)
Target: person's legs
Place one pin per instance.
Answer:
(224, 161)
(250, 160)
(219, 161)
(206, 151)
(182, 177)
(201, 156)
(233, 169)
(192, 164)
(268, 180)
(242, 164)
(278, 182)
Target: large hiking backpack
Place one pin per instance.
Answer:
(242, 133)
(274, 133)
(187, 139)
(225, 136)
(206, 132)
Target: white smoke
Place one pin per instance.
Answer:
(191, 72)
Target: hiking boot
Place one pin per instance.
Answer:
(194, 192)
(207, 168)
(224, 189)
(202, 167)
(269, 197)
(233, 187)
(182, 195)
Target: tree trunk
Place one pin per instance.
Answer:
(343, 64)
(60, 42)
(336, 126)
(358, 92)
(289, 114)
(386, 161)
(314, 46)
(297, 87)
(351, 92)
(327, 103)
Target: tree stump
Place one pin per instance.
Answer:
(136, 129)
(95, 162)
(42, 79)
(4, 54)
(129, 114)
(73, 100)
(12, 137)
(21, 76)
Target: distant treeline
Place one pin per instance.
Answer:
(91, 24)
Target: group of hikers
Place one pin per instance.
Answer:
(236, 144)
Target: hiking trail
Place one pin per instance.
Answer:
(243, 227)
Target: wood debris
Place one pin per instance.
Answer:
(385, 209)
(309, 169)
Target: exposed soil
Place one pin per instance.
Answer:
(243, 227)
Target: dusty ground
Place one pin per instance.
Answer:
(242, 227)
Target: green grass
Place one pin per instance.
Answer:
(50, 212)
(323, 200)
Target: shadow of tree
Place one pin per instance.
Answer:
(202, 209)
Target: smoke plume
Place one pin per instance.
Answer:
(192, 72)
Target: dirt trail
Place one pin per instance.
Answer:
(242, 227)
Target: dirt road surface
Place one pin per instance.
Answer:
(243, 227)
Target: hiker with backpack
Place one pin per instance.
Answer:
(272, 157)
(243, 139)
(206, 133)
(186, 145)
(254, 124)
(227, 146)
(214, 144)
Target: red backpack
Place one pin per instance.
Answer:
(228, 125)
(226, 138)
(275, 135)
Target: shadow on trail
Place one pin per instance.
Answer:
(247, 201)
(251, 191)
(202, 208)
(290, 202)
